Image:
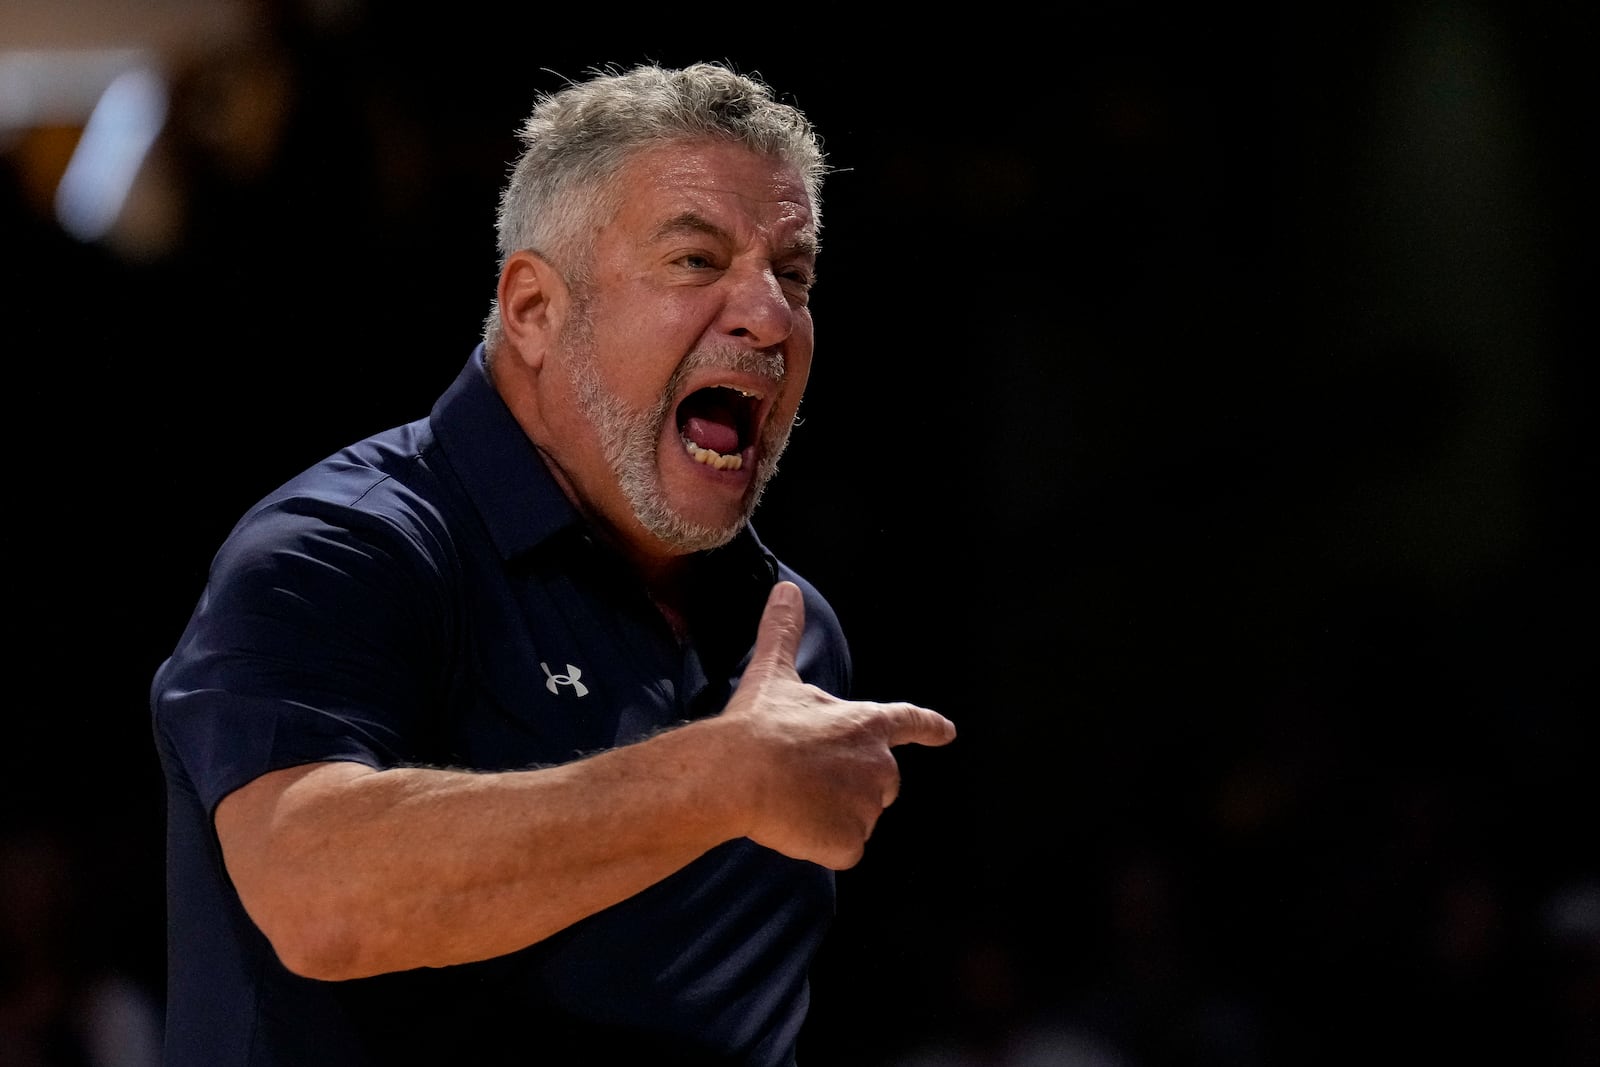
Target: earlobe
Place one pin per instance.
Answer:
(533, 302)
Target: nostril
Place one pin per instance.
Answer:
(761, 314)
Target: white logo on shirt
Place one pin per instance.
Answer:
(554, 682)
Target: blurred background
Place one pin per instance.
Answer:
(1200, 419)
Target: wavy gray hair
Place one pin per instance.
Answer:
(579, 137)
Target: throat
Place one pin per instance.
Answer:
(675, 618)
(667, 587)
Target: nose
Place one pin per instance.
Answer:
(756, 308)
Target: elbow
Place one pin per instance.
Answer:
(312, 942)
(308, 959)
(295, 875)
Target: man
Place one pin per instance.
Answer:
(500, 737)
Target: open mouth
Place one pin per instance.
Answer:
(717, 424)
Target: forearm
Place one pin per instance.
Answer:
(353, 872)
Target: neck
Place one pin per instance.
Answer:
(669, 603)
(663, 570)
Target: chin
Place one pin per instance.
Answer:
(685, 530)
(688, 515)
(694, 533)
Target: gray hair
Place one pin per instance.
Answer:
(578, 138)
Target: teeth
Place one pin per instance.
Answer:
(715, 460)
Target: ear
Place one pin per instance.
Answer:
(533, 300)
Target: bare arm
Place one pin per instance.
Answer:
(351, 872)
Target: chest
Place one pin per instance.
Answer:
(550, 665)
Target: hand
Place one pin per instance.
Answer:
(820, 770)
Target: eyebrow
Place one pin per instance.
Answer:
(688, 222)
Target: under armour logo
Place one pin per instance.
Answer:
(554, 682)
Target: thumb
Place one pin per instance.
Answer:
(783, 620)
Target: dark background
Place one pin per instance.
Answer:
(1200, 420)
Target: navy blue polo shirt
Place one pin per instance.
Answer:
(430, 597)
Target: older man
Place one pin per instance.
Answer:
(500, 737)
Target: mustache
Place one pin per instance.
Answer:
(727, 356)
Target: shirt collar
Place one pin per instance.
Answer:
(515, 494)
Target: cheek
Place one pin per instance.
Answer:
(797, 363)
(644, 346)
(635, 370)
(784, 411)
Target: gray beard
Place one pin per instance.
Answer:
(630, 441)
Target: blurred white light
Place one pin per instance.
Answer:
(124, 124)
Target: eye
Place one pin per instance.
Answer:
(798, 277)
(696, 261)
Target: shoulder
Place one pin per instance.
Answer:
(384, 489)
(375, 524)
(819, 611)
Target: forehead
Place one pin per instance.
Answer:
(728, 186)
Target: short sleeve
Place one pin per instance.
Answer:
(317, 637)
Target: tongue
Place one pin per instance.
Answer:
(717, 436)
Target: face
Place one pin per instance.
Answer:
(687, 348)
